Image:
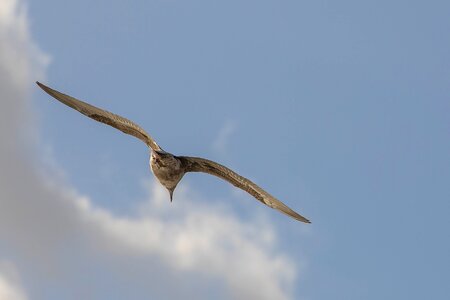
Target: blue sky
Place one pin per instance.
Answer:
(340, 109)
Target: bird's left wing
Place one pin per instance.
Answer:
(197, 164)
(102, 116)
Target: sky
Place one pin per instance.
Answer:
(339, 109)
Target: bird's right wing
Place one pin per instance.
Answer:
(103, 116)
(197, 164)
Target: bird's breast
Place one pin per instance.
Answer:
(169, 174)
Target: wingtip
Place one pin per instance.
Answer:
(47, 89)
(298, 217)
(42, 86)
(304, 220)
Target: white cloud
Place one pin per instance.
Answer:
(22, 59)
(58, 238)
(10, 288)
(196, 237)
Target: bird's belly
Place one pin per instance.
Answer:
(168, 177)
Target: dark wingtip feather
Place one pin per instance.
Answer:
(302, 219)
(44, 87)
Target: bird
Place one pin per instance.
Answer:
(169, 169)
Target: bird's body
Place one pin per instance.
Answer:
(168, 168)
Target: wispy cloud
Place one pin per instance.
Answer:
(59, 238)
(220, 144)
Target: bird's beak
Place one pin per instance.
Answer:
(171, 195)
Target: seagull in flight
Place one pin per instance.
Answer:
(169, 168)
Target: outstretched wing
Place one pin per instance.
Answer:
(197, 164)
(103, 116)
